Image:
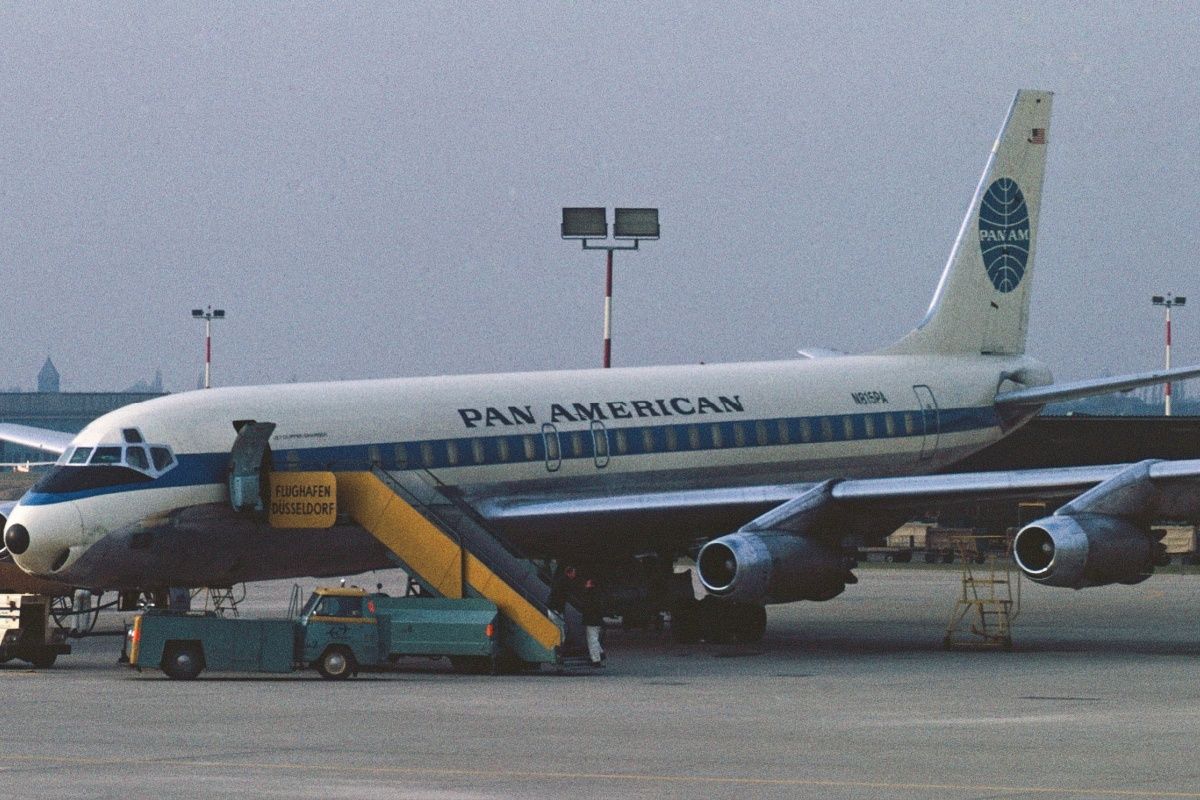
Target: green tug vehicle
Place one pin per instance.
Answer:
(340, 632)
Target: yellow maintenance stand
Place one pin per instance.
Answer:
(991, 594)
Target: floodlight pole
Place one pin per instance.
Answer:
(208, 315)
(608, 292)
(608, 312)
(1168, 301)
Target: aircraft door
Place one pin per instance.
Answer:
(250, 464)
(553, 447)
(930, 421)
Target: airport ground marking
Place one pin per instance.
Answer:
(627, 777)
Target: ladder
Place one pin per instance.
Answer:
(446, 547)
(987, 604)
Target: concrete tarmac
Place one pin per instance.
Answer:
(854, 698)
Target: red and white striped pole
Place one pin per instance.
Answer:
(207, 352)
(208, 315)
(608, 312)
(1167, 389)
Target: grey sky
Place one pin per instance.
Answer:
(373, 190)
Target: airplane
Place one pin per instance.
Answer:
(768, 474)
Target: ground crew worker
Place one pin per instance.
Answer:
(584, 594)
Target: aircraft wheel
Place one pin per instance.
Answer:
(183, 662)
(44, 660)
(336, 664)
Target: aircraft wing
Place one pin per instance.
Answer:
(1040, 395)
(865, 494)
(38, 438)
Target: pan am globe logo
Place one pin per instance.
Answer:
(1004, 234)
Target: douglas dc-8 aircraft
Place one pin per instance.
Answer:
(778, 469)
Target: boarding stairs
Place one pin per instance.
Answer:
(447, 548)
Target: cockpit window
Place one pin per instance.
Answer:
(106, 455)
(67, 479)
(163, 460)
(108, 465)
(136, 458)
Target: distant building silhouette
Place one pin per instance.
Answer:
(152, 387)
(47, 380)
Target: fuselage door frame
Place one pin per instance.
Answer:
(930, 420)
(600, 451)
(553, 447)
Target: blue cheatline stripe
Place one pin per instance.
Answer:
(471, 451)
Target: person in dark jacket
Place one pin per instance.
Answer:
(584, 593)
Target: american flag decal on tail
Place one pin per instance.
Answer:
(1037, 136)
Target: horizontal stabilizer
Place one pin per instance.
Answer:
(1040, 395)
(38, 438)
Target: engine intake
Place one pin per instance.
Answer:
(1086, 550)
(773, 567)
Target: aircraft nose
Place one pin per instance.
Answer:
(42, 539)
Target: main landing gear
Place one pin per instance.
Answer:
(717, 621)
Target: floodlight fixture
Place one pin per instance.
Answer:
(585, 223)
(198, 313)
(635, 223)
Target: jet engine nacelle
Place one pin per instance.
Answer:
(1086, 550)
(773, 567)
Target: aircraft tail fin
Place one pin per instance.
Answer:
(982, 301)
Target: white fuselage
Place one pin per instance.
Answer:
(582, 434)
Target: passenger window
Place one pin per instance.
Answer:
(672, 439)
(783, 432)
(826, 429)
(451, 453)
(760, 433)
(136, 458)
(477, 450)
(401, 457)
(162, 458)
(530, 446)
(889, 424)
(805, 431)
(848, 427)
(622, 442)
(577, 444)
(106, 455)
(869, 422)
(739, 434)
(427, 453)
(715, 432)
(647, 440)
(502, 448)
(80, 456)
(910, 426)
